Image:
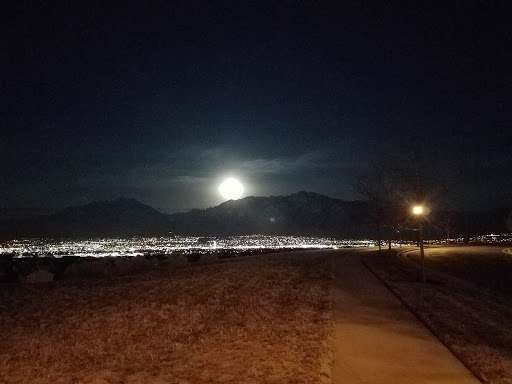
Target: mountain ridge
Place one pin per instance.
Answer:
(301, 213)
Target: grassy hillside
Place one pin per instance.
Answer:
(254, 320)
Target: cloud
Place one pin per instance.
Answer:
(286, 165)
(199, 164)
(189, 177)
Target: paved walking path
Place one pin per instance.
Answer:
(378, 340)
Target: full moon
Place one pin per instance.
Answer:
(231, 189)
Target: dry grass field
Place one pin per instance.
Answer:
(265, 319)
(475, 324)
(491, 270)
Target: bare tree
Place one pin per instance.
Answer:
(391, 187)
(378, 188)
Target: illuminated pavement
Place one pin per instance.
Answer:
(378, 340)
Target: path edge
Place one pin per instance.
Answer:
(477, 375)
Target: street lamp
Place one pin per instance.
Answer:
(418, 210)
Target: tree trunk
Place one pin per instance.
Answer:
(379, 237)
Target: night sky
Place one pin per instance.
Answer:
(161, 100)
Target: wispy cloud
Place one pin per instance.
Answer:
(291, 164)
(198, 164)
(191, 174)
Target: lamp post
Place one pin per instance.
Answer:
(418, 211)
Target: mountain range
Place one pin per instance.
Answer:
(302, 213)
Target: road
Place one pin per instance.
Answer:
(377, 340)
(487, 266)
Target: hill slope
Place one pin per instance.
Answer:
(303, 213)
(120, 217)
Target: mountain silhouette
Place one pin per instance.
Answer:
(301, 214)
(120, 217)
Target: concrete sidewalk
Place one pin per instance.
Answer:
(378, 340)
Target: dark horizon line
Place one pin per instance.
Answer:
(26, 208)
(19, 211)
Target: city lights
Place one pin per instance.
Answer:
(137, 246)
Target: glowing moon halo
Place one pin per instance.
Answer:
(231, 189)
